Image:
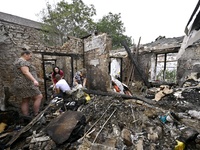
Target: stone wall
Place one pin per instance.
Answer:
(13, 38)
(96, 52)
(189, 62)
(15, 34)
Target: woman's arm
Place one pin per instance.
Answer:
(52, 79)
(75, 82)
(57, 90)
(61, 74)
(25, 71)
(84, 82)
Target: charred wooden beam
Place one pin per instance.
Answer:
(44, 75)
(49, 60)
(185, 88)
(28, 126)
(174, 49)
(124, 96)
(59, 54)
(137, 49)
(141, 73)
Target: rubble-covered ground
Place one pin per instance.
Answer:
(116, 123)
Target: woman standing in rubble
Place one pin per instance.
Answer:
(26, 83)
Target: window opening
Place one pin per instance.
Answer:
(166, 67)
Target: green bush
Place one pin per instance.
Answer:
(170, 75)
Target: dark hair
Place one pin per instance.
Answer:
(83, 72)
(58, 77)
(54, 73)
(27, 52)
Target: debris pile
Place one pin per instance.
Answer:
(112, 122)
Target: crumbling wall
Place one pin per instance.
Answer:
(188, 63)
(129, 72)
(144, 61)
(2, 98)
(15, 38)
(96, 54)
(16, 34)
(74, 46)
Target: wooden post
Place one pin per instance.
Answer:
(130, 75)
(141, 73)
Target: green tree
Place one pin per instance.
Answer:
(75, 19)
(68, 19)
(114, 27)
(170, 75)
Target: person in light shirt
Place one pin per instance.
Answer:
(61, 87)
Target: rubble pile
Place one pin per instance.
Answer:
(134, 124)
(113, 123)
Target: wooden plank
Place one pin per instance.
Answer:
(27, 127)
(130, 75)
(141, 73)
(124, 96)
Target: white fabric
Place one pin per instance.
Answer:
(62, 85)
(119, 84)
(115, 68)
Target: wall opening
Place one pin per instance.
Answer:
(116, 68)
(166, 67)
(65, 63)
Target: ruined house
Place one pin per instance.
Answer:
(155, 61)
(159, 62)
(135, 123)
(17, 33)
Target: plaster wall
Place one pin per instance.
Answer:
(96, 52)
(189, 62)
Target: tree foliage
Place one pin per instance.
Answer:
(170, 75)
(75, 19)
(114, 27)
(69, 19)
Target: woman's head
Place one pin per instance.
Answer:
(56, 70)
(26, 54)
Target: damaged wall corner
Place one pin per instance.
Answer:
(96, 52)
(188, 63)
(2, 98)
(22, 32)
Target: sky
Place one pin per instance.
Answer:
(147, 19)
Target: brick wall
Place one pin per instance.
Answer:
(16, 33)
(96, 52)
(188, 63)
